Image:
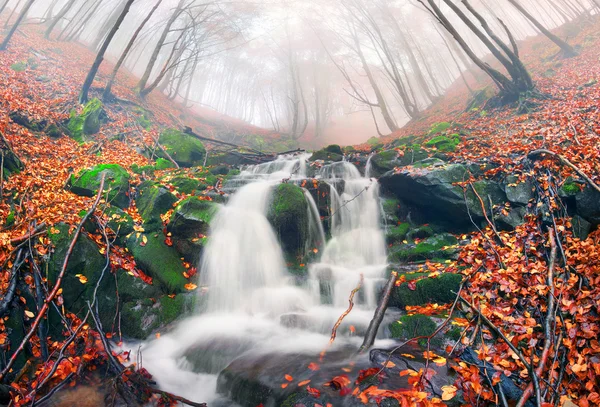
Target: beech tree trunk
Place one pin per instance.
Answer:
(125, 53)
(61, 14)
(567, 50)
(83, 97)
(20, 18)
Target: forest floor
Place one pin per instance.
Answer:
(41, 79)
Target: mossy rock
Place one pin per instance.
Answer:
(163, 164)
(439, 128)
(412, 326)
(186, 150)
(441, 290)
(383, 162)
(53, 131)
(421, 232)
(19, 66)
(435, 247)
(397, 233)
(159, 261)
(192, 217)
(84, 268)
(153, 201)
(187, 185)
(330, 153)
(87, 182)
(480, 97)
(141, 318)
(391, 209)
(88, 122)
(288, 214)
(517, 192)
(444, 143)
(119, 221)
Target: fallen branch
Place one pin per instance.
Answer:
(177, 398)
(485, 213)
(566, 162)
(21, 239)
(41, 314)
(341, 318)
(379, 314)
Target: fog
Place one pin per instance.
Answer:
(316, 71)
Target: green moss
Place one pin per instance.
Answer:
(10, 219)
(421, 232)
(438, 246)
(439, 128)
(19, 66)
(87, 182)
(153, 200)
(570, 188)
(412, 326)
(192, 217)
(159, 261)
(441, 290)
(185, 184)
(397, 233)
(289, 217)
(444, 143)
(53, 131)
(186, 150)
(326, 156)
(162, 164)
(88, 122)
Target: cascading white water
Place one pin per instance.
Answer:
(357, 245)
(250, 293)
(243, 267)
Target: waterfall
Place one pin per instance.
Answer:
(254, 305)
(357, 244)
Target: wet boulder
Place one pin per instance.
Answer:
(87, 183)
(140, 318)
(159, 261)
(189, 226)
(288, 214)
(119, 221)
(153, 200)
(185, 149)
(433, 191)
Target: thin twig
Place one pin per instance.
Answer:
(566, 162)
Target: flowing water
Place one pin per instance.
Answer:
(253, 304)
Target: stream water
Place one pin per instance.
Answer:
(253, 305)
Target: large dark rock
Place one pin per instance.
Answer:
(519, 193)
(330, 153)
(432, 190)
(87, 183)
(588, 205)
(441, 290)
(12, 164)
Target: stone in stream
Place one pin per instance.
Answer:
(251, 380)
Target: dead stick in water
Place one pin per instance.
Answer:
(379, 314)
(341, 318)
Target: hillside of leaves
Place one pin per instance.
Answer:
(529, 297)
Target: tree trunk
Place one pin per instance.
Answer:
(63, 11)
(146, 76)
(567, 50)
(20, 18)
(83, 97)
(3, 6)
(126, 51)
